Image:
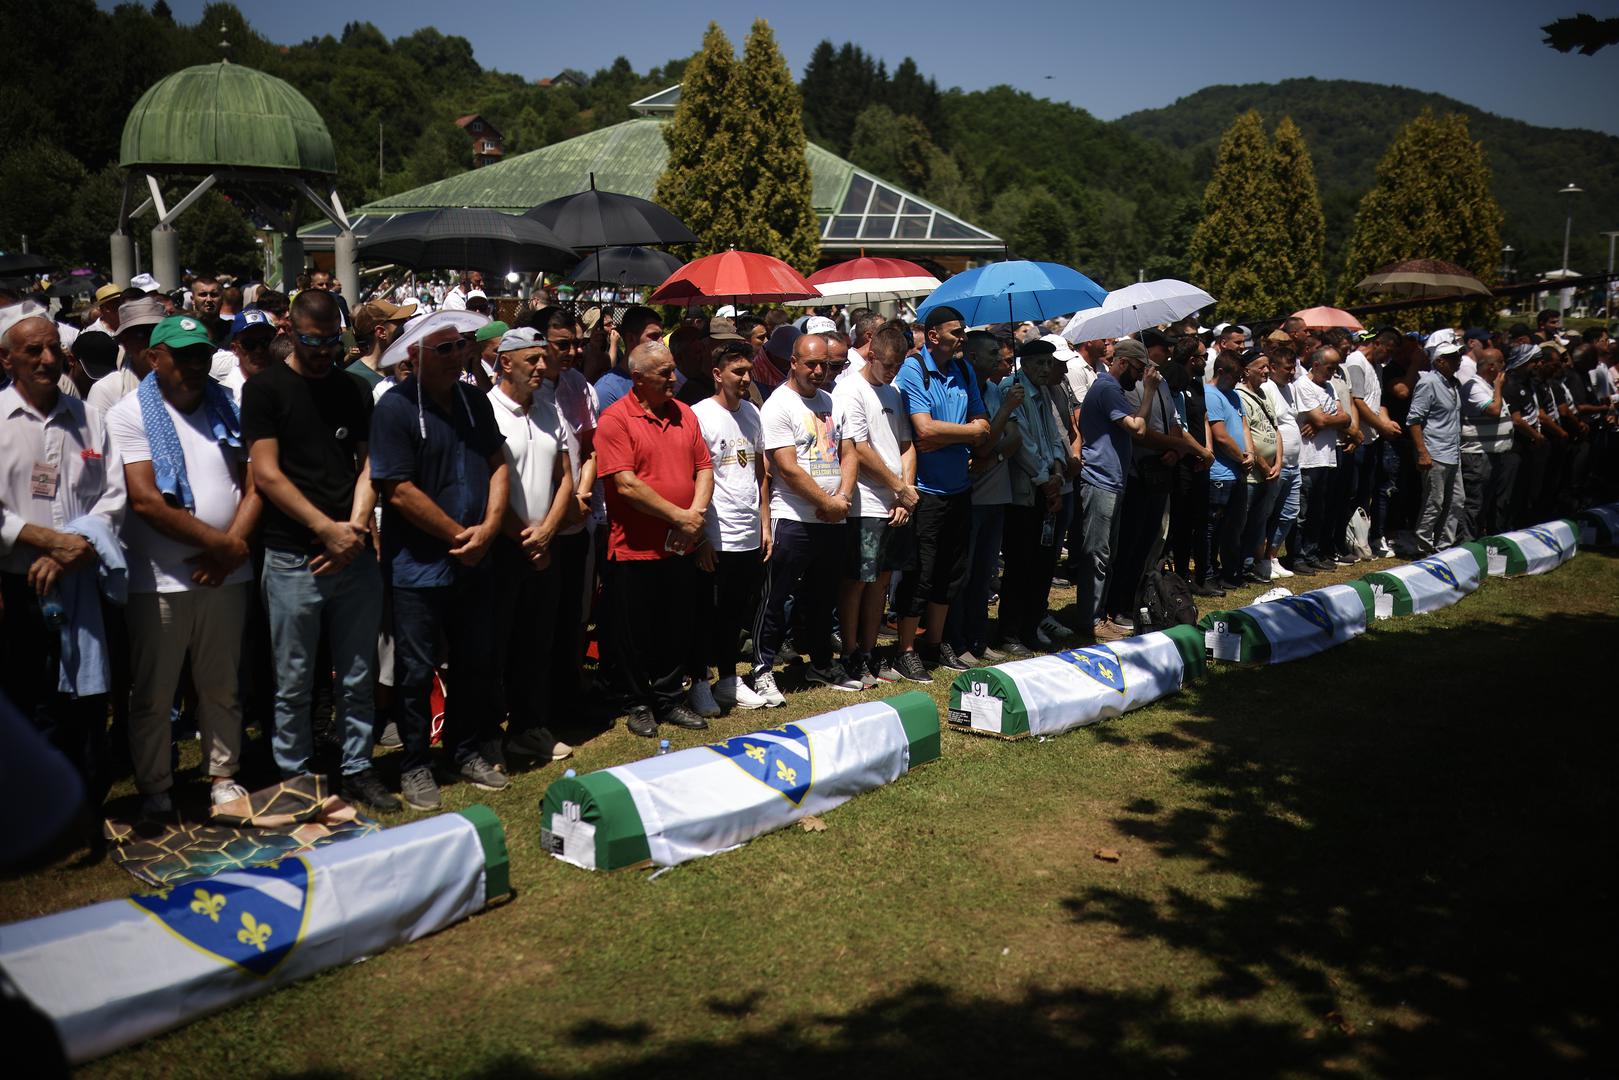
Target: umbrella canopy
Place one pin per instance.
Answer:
(1136, 307)
(598, 219)
(869, 278)
(627, 265)
(1422, 278)
(462, 238)
(1325, 318)
(23, 262)
(734, 276)
(1014, 291)
(73, 286)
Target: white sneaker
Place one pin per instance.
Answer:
(732, 693)
(1277, 570)
(1382, 550)
(764, 685)
(224, 793)
(1263, 570)
(561, 750)
(701, 699)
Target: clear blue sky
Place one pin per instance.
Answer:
(1109, 59)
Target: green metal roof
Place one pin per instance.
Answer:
(225, 114)
(629, 157)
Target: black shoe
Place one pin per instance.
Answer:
(910, 665)
(1298, 567)
(948, 659)
(1322, 566)
(1203, 588)
(537, 743)
(364, 787)
(642, 722)
(1014, 649)
(682, 717)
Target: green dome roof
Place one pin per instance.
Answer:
(225, 114)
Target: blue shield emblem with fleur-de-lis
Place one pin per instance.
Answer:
(1099, 663)
(251, 918)
(779, 758)
(1309, 607)
(1438, 568)
(1545, 537)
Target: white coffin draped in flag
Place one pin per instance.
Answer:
(711, 798)
(1290, 627)
(1530, 551)
(1428, 584)
(112, 974)
(1050, 694)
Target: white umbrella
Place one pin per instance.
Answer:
(1136, 307)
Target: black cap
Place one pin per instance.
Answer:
(1156, 338)
(1037, 347)
(98, 352)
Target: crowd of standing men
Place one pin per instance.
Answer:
(247, 515)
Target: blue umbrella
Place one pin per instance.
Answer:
(1014, 291)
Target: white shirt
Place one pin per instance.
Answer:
(533, 440)
(1287, 421)
(73, 439)
(111, 389)
(735, 442)
(1365, 385)
(1321, 449)
(223, 364)
(157, 563)
(454, 300)
(807, 425)
(867, 413)
(1080, 377)
(577, 406)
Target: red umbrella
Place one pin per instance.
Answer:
(869, 278)
(1325, 318)
(733, 276)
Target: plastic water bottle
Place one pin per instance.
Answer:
(568, 774)
(663, 747)
(1048, 530)
(53, 611)
(1143, 623)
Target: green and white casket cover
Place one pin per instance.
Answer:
(1599, 525)
(1289, 627)
(111, 974)
(1046, 695)
(1430, 583)
(1530, 551)
(712, 798)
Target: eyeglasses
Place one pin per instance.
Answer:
(566, 344)
(445, 348)
(317, 341)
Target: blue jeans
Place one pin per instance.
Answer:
(1261, 498)
(1100, 538)
(462, 616)
(349, 603)
(966, 628)
(1286, 509)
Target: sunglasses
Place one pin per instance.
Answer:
(445, 348)
(568, 345)
(317, 341)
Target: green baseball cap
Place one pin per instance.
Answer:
(493, 329)
(180, 332)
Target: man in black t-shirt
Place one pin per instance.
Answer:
(307, 423)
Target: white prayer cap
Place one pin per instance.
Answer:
(18, 313)
(422, 325)
(820, 324)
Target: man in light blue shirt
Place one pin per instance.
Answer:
(1435, 423)
(1228, 488)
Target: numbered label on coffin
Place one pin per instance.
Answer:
(250, 918)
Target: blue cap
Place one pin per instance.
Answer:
(1478, 333)
(249, 318)
(780, 343)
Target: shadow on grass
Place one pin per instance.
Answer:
(1423, 825)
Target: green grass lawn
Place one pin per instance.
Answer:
(1394, 859)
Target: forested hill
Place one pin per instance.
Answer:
(1349, 124)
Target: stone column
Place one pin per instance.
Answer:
(166, 257)
(345, 248)
(123, 258)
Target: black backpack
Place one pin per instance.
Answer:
(1167, 599)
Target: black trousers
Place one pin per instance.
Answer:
(1528, 489)
(1026, 574)
(569, 555)
(806, 563)
(30, 658)
(1188, 518)
(1141, 515)
(649, 603)
(727, 601)
(525, 635)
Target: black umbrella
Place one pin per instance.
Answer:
(73, 286)
(599, 219)
(23, 262)
(466, 238)
(624, 266)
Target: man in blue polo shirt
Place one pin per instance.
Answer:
(947, 420)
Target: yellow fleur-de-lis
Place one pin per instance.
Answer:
(160, 892)
(784, 773)
(207, 903)
(253, 932)
(757, 753)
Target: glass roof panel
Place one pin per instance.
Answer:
(877, 228)
(885, 201)
(855, 201)
(912, 228)
(844, 227)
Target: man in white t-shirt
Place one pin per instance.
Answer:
(1377, 465)
(875, 432)
(811, 494)
(1279, 395)
(539, 493)
(737, 527)
(1320, 420)
(192, 508)
(1486, 450)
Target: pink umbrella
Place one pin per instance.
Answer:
(869, 278)
(1325, 318)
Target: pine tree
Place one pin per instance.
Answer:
(779, 210)
(1302, 220)
(702, 181)
(1238, 251)
(1432, 200)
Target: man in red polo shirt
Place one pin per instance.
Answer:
(658, 478)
